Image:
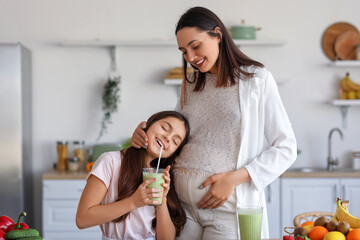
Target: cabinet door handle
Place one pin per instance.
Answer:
(269, 193)
(336, 191)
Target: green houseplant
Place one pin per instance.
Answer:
(110, 100)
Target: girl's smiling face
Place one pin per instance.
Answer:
(170, 132)
(199, 48)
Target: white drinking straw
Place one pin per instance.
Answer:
(258, 205)
(157, 168)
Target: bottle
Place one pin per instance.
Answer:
(62, 151)
(78, 152)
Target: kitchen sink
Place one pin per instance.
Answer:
(315, 169)
(308, 169)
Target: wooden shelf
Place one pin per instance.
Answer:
(153, 43)
(178, 81)
(343, 102)
(346, 63)
(344, 108)
(114, 43)
(260, 42)
(168, 81)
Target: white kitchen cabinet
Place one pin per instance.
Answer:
(272, 193)
(60, 201)
(299, 195)
(350, 188)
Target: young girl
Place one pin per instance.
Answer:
(241, 137)
(115, 196)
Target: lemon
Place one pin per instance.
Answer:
(334, 235)
(308, 227)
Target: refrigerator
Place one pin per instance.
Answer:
(15, 132)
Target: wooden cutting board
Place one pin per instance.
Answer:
(330, 35)
(345, 45)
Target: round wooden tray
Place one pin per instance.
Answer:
(345, 45)
(329, 37)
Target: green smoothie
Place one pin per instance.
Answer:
(149, 173)
(250, 220)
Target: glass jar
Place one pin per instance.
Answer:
(62, 151)
(78, 152)
(356, 159)
(74, 164)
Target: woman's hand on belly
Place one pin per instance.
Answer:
(223, 185)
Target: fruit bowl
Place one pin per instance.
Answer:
(340, 225)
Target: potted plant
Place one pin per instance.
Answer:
(110, 100)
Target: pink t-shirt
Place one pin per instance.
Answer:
(138, 224)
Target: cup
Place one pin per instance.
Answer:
(149, 173)
(250, 220)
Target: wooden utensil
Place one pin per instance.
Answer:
(345, 45)
(330, 35)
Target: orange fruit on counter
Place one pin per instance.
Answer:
(89, 166)
(318, 233)
(353, 234)
(307, 223)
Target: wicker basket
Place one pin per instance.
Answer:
(310, 216)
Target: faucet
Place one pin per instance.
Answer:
(332, 161)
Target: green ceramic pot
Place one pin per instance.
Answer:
(243, 32)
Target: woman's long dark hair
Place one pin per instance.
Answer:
(131, 172)
(230, 57)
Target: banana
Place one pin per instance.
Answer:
(344, 83)
(350, 84)
(342, 214)
(334, 218)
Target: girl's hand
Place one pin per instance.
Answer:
(139, 138)
(142, 195)
(223, 185)
(166, 185)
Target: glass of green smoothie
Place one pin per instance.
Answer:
(149, 173)
(250, 219)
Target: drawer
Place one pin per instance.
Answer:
(78, 235)
(63, 189)
(60, 215)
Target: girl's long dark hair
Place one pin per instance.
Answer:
(131, 172)
(230, 57)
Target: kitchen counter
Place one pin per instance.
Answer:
(54, 174)
(320, 174)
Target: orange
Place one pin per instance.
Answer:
(317, 233)
(353, 234)
(89, 166)
(311, 223)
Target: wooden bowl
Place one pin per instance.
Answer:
(329, 37)
(345, 45)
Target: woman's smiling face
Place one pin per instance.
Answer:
(169, 132)
(199, 48)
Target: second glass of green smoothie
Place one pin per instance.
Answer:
(149, 173)
(250, 220)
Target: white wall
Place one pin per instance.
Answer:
(67, 81)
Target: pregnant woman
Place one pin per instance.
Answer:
(241, 138)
